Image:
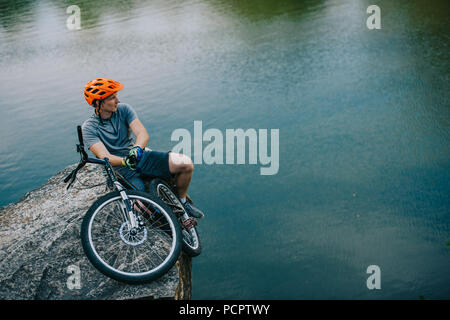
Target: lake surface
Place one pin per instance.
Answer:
(363, 120)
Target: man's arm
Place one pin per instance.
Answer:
(101, 152)
(140, 132)
(142, 138)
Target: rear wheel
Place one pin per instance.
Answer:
(190, 237)
(132, 255)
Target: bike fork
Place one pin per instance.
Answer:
(127, 211)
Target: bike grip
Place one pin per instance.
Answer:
(80, 135)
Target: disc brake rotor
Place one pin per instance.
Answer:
(132, 237)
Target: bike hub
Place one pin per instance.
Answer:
(132, 236)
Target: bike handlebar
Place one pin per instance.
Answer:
(82, 163)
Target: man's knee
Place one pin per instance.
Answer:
(180, 163)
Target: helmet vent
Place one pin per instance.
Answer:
(95, 91)
(102, 93)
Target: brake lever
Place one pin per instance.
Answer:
(66, 179)
(71, 181)
(73, 174)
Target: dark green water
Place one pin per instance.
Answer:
(363, 119)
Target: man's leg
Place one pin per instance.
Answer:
(182, 166)
(168, 165)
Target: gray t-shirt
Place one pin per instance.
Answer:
(115, 133)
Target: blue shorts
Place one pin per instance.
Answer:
(152, 164)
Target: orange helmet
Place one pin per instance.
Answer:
(100, 88)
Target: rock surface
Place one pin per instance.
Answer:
(41, 252)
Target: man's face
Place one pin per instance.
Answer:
(110, 103)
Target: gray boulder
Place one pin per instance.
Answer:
(41, 256)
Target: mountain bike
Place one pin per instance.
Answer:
(128, 235)
(166, 191)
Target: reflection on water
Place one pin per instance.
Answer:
(363, 119)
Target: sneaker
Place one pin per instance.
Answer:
(193, 211)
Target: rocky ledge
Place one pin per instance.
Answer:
(41, 256)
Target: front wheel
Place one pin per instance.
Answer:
(190, 238)
(131, 255)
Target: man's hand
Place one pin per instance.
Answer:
(134, 156)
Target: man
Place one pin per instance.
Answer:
(107, 133)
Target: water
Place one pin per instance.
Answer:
(363, 117)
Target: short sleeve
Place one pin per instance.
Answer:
(90, 135)
(129, 113)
